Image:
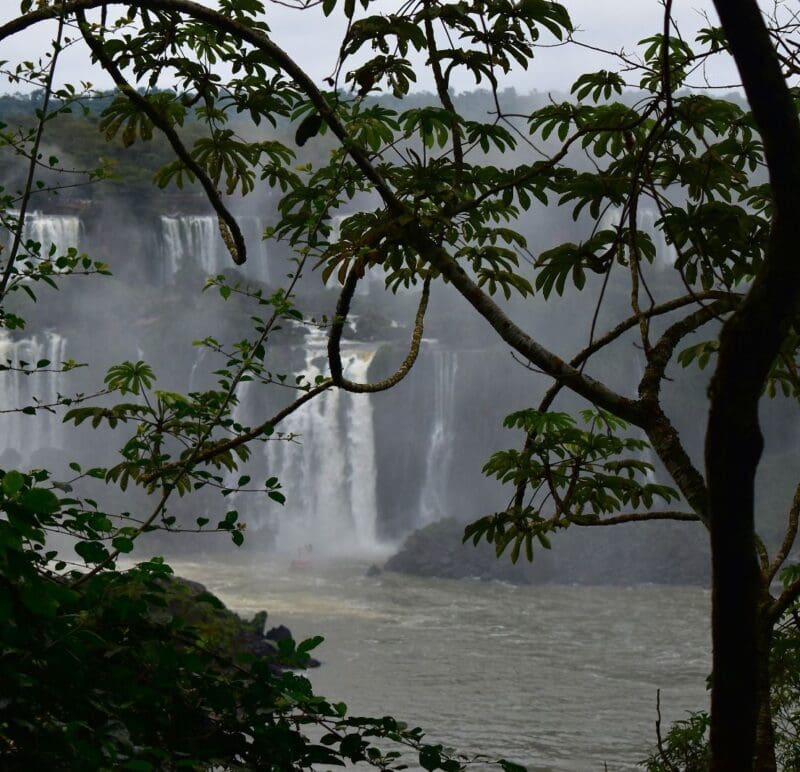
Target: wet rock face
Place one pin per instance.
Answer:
(639, 553)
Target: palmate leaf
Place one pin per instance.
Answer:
(125, 115)
(570, 261)
(580, 474)
(130, 377)
(601, 85)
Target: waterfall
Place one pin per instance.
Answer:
(22, 432)
(196, 240)
(57, 231)
(433, 493)
(190, 238)
(328, 472)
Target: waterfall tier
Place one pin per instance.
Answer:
(21, 433)
(55, 232)
(196, 240)
(328, 472)
(433, 493)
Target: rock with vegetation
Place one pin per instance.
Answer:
(222, 628)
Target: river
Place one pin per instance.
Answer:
(554, 677)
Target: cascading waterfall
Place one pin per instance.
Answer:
(328, 473)
(195, 239)
(433, 494)
(189, 238)
(22, 432)
(50, 230)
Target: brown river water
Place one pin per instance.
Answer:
(553, 677)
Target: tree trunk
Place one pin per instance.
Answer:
(732, 451)
(749, 342)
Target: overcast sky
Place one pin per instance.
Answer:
(313, 41)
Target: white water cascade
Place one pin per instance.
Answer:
(195, 239)
(328, 472)
(433, 493)
(50, 230)
(20, 432)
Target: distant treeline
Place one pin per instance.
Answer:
(75, 145)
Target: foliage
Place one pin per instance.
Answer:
(685, 747)
(108, 668)
(635, 141)
(580, 474)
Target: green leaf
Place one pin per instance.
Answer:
(12, 482)
(430, 757)
(122, 544)
(309, 127)
(40, 500)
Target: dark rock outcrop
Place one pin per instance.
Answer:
(636, 553)
(203, 610)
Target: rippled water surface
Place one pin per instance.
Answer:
(557, 678)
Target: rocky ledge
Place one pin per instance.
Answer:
(203, 610)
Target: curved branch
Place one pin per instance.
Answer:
(658, 427)
(612, 335)
(229, 228)
(661, 353)
(628, 324)
(443, 92)
(335, 339)
(784, 601)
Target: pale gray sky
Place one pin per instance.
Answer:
(314, 40)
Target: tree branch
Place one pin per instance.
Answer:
(34, 157)
(335, 337)
(635, 517)
(596, 392)
(233, 239)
